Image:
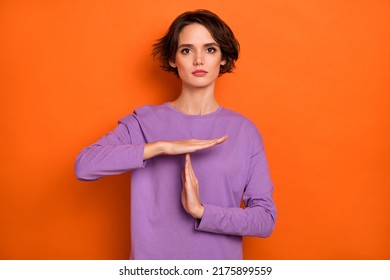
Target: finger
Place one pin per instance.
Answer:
(204, 144)
(191, 170)
(192, 176)
(193, 145)
(221, 139)
(183, 179)
(191, 181)
(201, 144)
(187, 178)
(212, 142)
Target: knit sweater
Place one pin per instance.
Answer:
(228, 173)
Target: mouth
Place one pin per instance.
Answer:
(199, 73)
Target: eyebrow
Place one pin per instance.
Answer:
(208, 45)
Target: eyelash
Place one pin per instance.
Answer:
(185, 51)
(208, 50)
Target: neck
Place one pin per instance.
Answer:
(198, 101)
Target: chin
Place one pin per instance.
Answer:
(199, 85)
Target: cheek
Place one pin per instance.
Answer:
(181, 67)
(182, 63)
(217, 62)
(182, 71)
(217, 66)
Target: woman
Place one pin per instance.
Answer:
(186, 192)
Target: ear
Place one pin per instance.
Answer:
(172, 63)
(223, 62)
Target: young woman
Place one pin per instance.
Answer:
(192, 161)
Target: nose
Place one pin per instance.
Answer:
(198, 59)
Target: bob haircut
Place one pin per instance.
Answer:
(165, 48)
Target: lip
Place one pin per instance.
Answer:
(199, 73)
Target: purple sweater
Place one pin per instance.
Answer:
(227, 173)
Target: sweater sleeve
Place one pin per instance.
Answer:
(114, 153)
(259, 215)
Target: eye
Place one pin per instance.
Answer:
(185, 51)
(211, 50)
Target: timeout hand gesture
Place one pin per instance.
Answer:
(190, 192)
(179, 147)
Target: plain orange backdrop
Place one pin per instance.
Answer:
(313, 76)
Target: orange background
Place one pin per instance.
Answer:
(313, 75)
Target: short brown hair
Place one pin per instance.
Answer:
(166, 47)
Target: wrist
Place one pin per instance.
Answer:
(198, 214)
(161, 147)
(153, 149)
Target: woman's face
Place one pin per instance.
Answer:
(198, 57)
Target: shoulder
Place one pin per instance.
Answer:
(244, 130)
(238, 119)
(151, 110)
(145, 114)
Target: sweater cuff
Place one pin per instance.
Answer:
(137, 156)
(205, 224)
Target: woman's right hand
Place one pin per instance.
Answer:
(179, 146)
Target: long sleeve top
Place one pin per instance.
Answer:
(228, 173)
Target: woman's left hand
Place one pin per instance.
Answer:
(190, 191)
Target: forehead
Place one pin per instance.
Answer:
(195, 33)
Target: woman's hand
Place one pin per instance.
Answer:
(179, 147)
(190, 192)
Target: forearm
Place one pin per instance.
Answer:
(254, 221)
(97, 160)
(110, 156)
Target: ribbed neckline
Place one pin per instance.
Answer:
(212, 114)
